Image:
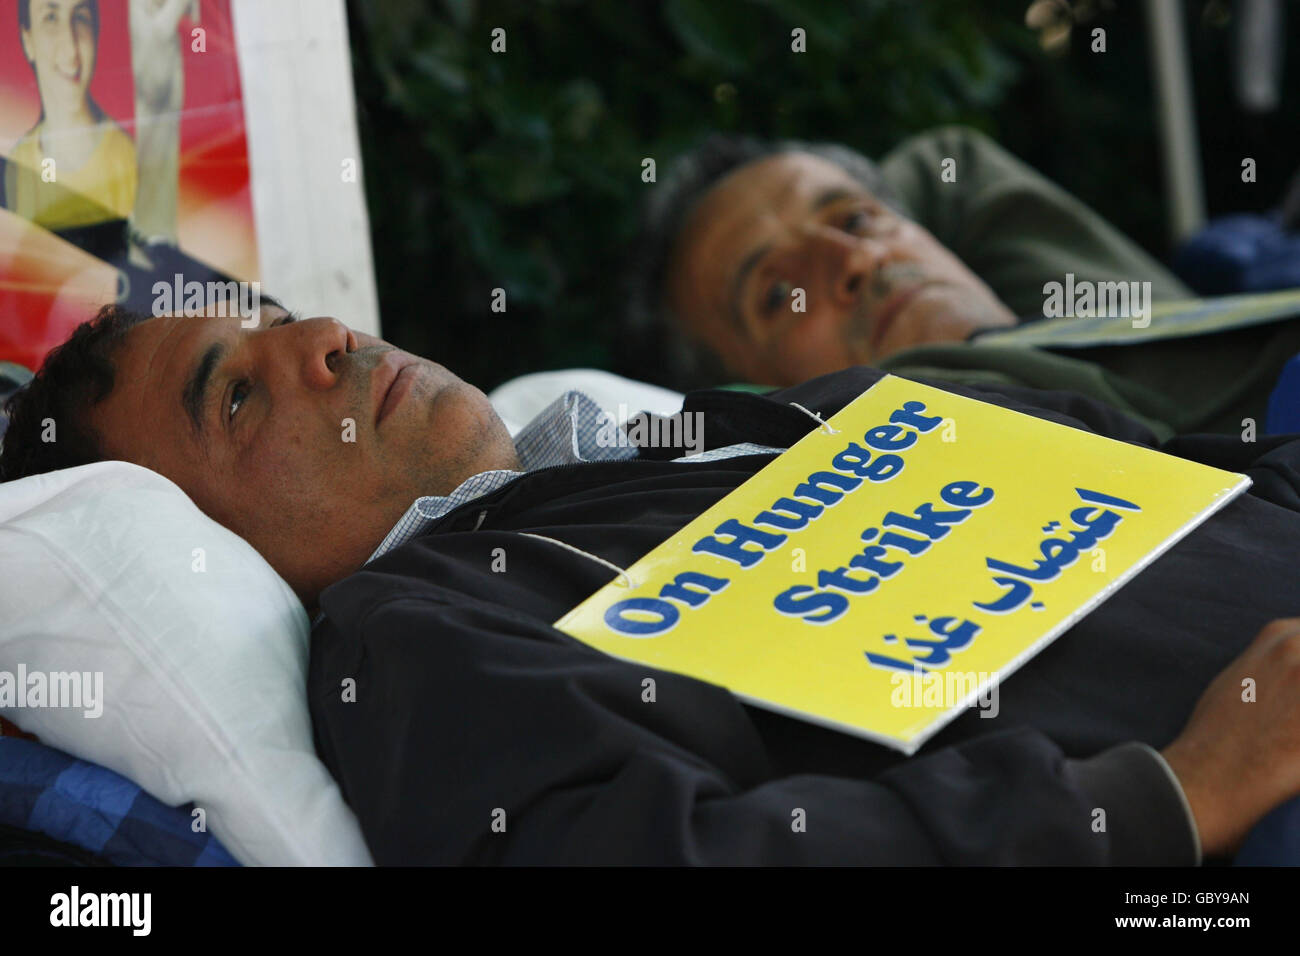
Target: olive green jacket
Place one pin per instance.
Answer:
(1200, 366)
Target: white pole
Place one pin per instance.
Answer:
(313, 230)
(1175, 110)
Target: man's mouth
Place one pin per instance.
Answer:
(884, 314)
(392, 378)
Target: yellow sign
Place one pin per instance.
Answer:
(890, 569)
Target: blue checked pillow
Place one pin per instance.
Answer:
(43, 790)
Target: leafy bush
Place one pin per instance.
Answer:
(522, 170)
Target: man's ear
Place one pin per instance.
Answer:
(26, 37)
(721, 362)
(748, 357)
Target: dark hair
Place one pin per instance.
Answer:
(652, 335)
(25, 15)
(74, 377)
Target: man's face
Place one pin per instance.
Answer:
(301, 437)
(874, 283)
(61, 45)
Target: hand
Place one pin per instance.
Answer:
(156, 54)
(1239, 757)
(159, 100)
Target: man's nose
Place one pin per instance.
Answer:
(320, 344)
(845, 261)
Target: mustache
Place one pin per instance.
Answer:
(883, 283)
(356, 370)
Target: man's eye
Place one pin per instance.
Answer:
(877, 221)
(776, 295)
(237, 396)
(857, 223)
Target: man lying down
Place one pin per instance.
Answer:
(470, 709)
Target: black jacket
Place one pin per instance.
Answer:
(479, 733)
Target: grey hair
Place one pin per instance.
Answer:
(652, 335)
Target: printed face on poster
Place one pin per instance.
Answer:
(124, 160)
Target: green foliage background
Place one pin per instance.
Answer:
(522, 171)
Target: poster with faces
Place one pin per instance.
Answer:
(123, 160)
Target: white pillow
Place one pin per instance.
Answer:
(203, 649)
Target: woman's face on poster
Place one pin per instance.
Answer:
(60, 44)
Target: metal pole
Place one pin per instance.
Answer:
(1179, 148)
